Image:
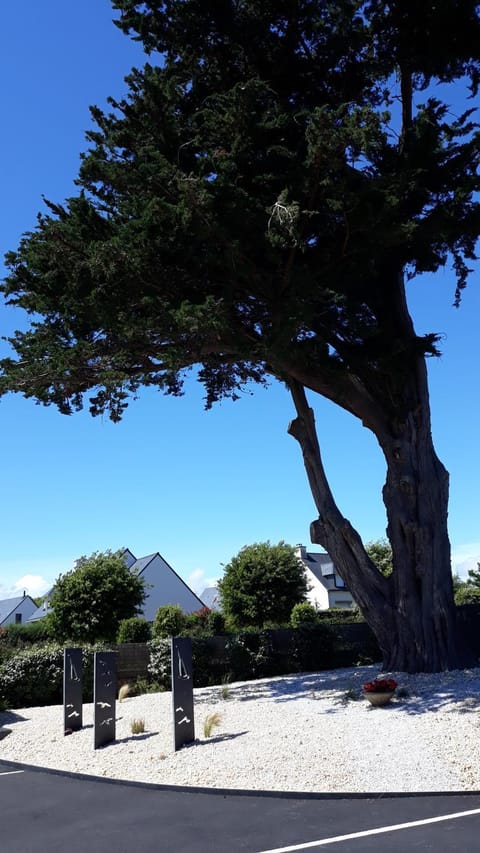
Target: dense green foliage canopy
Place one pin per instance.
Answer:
(261, 585)
(89, 602)
(380, 553)
(241, 207)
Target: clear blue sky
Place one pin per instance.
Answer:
(194, 485)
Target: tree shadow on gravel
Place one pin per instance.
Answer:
(416, 694)
(138, 737)
(8, 717)
(216, 739)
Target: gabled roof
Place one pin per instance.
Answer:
(211, 598)
(9, 604)
(322, 568)
(129, 558)
(44, 608)
(140, 565)
(320, 565)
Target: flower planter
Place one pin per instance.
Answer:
(379, 699)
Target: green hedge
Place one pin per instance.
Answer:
(17, 636)
(35, 677)
(249, 655)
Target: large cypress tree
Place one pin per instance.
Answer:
(253, 207)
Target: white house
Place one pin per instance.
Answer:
(162, 586)
(326, 588)
(16, 611)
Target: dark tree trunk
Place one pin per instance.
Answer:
(412, 612)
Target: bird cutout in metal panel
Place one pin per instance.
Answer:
(104, 705)
(73, 713)
(184, 719)
(107, 673)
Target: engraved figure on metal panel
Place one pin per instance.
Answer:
(73, 670)
(182, 670)
(72, 690)
(182, 691)
(104, 698)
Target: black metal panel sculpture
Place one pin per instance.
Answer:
(72, 690)
(105, 688)
(182, 691)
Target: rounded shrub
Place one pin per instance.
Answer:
(304, 615)
(215, 623)
(134, 630)
(170, 621)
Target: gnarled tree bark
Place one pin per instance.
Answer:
(412, 612)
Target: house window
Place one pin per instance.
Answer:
(18, 618)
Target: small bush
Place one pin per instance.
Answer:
(215, 623)
(170, 621)
(124, 692)
(196, 623)
(350, 695)
(134, 630)
(159, 666)
(137, 727)
(211, 722)
(225, 689)
(143, 685)
(304, 614)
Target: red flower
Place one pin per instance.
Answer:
(380, 685)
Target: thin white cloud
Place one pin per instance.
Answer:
(32, 584)
(464, 558)
(198, 581)
(34, 576)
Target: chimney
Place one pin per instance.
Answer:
(301, 551)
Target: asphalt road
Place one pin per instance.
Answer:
(44, 811)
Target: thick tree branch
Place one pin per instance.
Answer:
(332, 527)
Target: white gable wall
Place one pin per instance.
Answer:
(167, 588)
(317, 593)
(24, 609)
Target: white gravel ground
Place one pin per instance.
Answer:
(296, 733)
